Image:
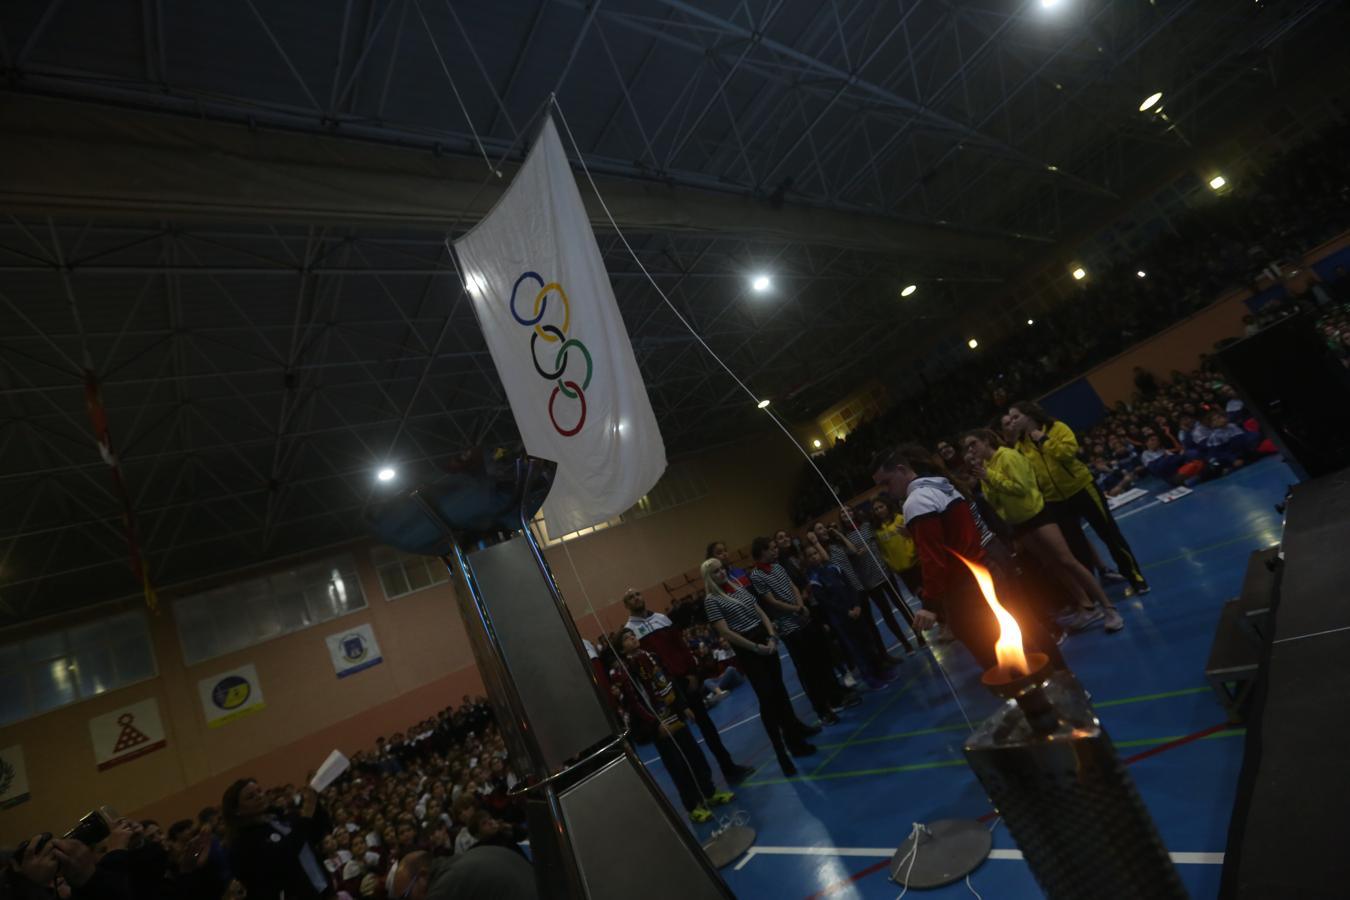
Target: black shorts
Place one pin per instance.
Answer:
(1045, 517)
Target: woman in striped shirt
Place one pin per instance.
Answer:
(733, 612)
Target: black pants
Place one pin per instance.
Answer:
(693, 698)
(1089, 504)
(765, 674)
(885, 597)
(687, 766)
(811, 656)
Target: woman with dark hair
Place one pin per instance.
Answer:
(1069, 489)
(869, 520)
(274, 855)
(842, 552)
(1010, 486)
(940, 520)
(739, 620)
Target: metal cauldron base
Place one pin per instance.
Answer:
(725, 847)
(949, 850)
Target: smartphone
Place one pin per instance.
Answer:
(91, 830)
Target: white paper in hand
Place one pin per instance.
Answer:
(328, 773)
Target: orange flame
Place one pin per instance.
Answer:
(1008, 648)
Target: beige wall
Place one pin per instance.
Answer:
(428, 664)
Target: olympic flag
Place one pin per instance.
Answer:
(544, 301)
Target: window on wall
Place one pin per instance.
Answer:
(51, 670)
(239, 615)
(402, 574)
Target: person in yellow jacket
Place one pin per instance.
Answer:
(897, 550)
(1010, 486)
(1068, 488)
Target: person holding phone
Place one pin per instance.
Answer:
(273, 854)
(39, 861)
(734, 613)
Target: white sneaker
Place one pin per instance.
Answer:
(849, 680)
(1112, 621)
(1084, 619)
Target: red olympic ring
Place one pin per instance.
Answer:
(554, 396)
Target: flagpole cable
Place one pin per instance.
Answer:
(493, 170)
(740, 817)
(562, 117)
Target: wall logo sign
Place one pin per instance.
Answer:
(13, 777)
(126, 734)
(231, 695)
(353, 650)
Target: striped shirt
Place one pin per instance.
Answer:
(865, 563)
(738, 609)
(775, 580)
(839, 556)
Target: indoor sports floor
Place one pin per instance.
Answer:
(896, 759)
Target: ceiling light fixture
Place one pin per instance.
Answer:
(1150, 101)
(1079, 273)
(763, 404)
(761, 283)
(386, 474)
(1218, 182)
(908, 290)
(816, 443)
(1141, 274)
(972, 343)
(1031, 321)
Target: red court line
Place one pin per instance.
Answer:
(1127, 761)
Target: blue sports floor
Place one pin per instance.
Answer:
(896, 759)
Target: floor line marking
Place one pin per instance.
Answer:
(1184, 857)
(961, 726)
(1157, 745)
(865, 725)
(1199, 550)
(1138, 509)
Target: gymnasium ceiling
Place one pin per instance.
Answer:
(233, 213)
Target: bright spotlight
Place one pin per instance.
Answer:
(909, 289)
(1031, 321)
(1079, 273)
(761, 283)
(1218, 182)
(763, 404)
(1150, 101)
(1047, 4)
(972, 343)
(816, 443)
(1141, 274)
(386, 474)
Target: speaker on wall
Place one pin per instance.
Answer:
(1297, 390)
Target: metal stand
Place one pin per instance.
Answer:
(727, 845)
(941, 852)
(600, 827)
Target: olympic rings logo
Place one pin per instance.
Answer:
(551, 334)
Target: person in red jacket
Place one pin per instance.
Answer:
(656, 712)
(658, 635)
(939, 519)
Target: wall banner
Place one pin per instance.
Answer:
(354, 650)
(127, 733)
(231, 695)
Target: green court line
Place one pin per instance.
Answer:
(881, 739)
(952, 763)
(865, 725)
(1199, 550)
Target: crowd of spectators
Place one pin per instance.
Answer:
(425, 798)
(1253, 233)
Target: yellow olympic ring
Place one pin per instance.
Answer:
(538, 304)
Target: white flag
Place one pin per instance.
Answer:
(547, 310)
